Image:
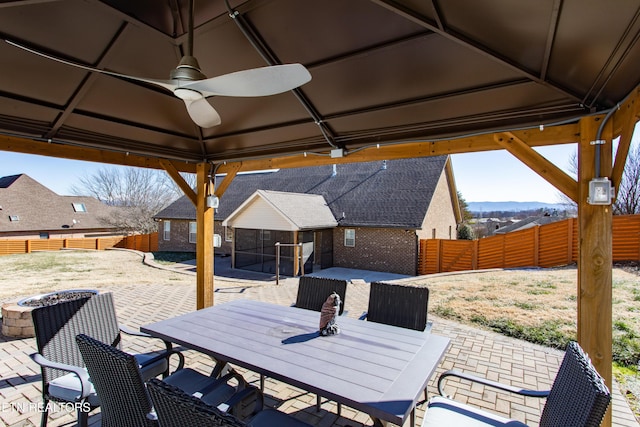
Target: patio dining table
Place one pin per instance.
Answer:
(378, 369)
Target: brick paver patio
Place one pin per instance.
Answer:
(495, 356)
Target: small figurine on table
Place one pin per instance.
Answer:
(328, 315)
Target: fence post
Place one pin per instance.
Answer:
(277, 263)
(27, 246)
(474, 255)
(570, 240)
(536, 246)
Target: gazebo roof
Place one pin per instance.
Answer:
(382, 71)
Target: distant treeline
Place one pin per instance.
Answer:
(521, 214)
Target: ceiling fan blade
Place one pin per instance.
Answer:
(167, 84)
(202, 113)
(254, 82)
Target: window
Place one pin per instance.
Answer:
(349, 237)
(228, 234)
(79, 207)
(265, 234)
(44, 235)
(166, 235)
(14, 218)
(193, 228)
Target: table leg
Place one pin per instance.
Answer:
(379, 423)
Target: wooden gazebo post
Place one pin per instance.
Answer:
(204, 238)
(595, 254)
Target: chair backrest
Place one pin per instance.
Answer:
(175, 408)
(313, 292)
(579, 396)
(56, 327)
(398, 305)
(124, 401)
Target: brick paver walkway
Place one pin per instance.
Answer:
(497, 357)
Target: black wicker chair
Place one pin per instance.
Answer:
(578, 398)
(398, 305)
(64, 377)
(175, 408)
(313, 292)
(118, 381)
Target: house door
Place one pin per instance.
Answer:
(323, 256)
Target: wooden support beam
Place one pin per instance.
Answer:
(178, 179)
(625, 119)
(538, 163)
(231, 173)
(554, 135)
(204, 239)
(595, 256)
(62, 151)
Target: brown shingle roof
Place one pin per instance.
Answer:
(37, 208)
(396, 193)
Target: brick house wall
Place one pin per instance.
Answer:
(379, 249)
(179, 237)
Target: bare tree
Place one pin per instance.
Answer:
(628, 192)
(628, 197)
(140, 193)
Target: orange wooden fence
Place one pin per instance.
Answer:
(549, 245)
(141, 242)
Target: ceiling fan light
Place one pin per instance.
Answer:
(187, 94)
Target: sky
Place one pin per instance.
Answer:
(492, 176)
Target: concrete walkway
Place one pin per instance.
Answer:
(490, 354)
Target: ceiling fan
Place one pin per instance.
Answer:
(188, 83)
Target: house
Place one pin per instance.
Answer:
(29, 210)
(528, 222)
(360, 215)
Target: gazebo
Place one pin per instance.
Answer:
(390, 79)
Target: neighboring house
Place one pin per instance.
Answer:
(485, 227)
(358, 215)
(29, 210)
(529, 222)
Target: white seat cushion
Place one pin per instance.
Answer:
(443, 412)
(67, 388)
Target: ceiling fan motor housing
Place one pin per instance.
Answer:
(187, 69)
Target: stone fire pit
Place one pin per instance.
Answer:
(16, 316)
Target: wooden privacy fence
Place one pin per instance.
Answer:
(140, 242)
(549, 245)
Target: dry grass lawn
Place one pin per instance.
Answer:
(539, 305)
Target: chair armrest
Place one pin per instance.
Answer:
(127, 330)
(480, 380)
(168, 345)
(242, 383)
(81, 373)
(165, 355)
(241, 396)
